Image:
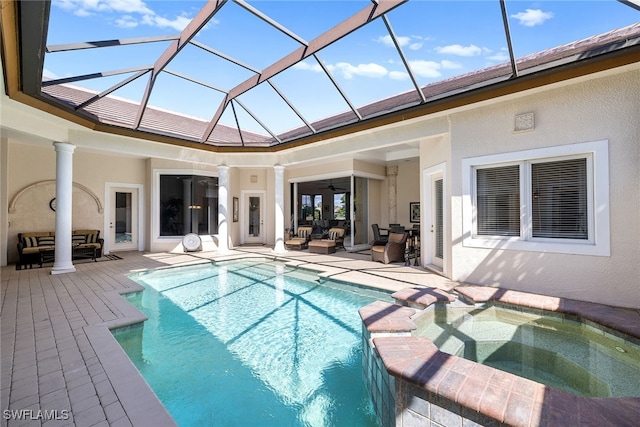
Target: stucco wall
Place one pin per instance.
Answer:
(600, 109)
(408, 184)
(291, 173)
(32, 164)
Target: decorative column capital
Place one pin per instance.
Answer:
(278, 168)
(64, 146)
(392, 170)
(223, 168)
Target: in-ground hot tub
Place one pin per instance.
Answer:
(546, 361)
(557, 351)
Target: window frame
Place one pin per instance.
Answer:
(341, 205)
(598, 223)
(155, 202)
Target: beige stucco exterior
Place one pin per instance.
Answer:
(601, 107)
(605, 108)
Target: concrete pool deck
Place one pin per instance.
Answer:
(60, 365)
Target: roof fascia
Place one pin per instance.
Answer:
(33, 25)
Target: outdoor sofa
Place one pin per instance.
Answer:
(38, 247)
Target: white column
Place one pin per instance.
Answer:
(279, 218)
(64, 208)
(223, 208)
(392, 193)
(296, 209)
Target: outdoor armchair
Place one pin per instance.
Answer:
(392, 251)
(301, 240)
(378, 238)
(337, 234)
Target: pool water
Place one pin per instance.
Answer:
(560, 352)
(252, 344)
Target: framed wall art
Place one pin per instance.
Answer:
(414, 211)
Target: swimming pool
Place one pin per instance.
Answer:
(252, 343)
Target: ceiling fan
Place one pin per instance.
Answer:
(334, 188)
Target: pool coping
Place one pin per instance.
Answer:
(139, 401)
(499, 395)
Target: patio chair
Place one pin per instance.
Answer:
(301, 240)
(396, 228)
(378, 238)
(392, 251)
(337, 235)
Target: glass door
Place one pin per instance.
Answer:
(437, 221)
(123, 221)
(254, 218)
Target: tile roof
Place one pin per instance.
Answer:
(120, 112)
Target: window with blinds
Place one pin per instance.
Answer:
(559, 199)
(542, 200)
(498, 201)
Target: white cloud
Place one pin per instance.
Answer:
(450, 65)
(367, 70)
(308, 67)
(532, 17)
(412, 42)
(178, 24)
(348, 71)
(421, 68)
(402, 40)
(429, 69)
(134, 13)
(398, 75)
(388, 41)
(126, 21)
(499, 57)
(459, 50)
(87, 7)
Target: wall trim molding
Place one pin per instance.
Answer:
(14, 201)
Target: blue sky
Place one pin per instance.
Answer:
(440, 39)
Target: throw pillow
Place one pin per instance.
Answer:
(46, 241)
(30, 242)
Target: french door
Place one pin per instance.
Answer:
(253, 218)
(123, 219)
(437, 220)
